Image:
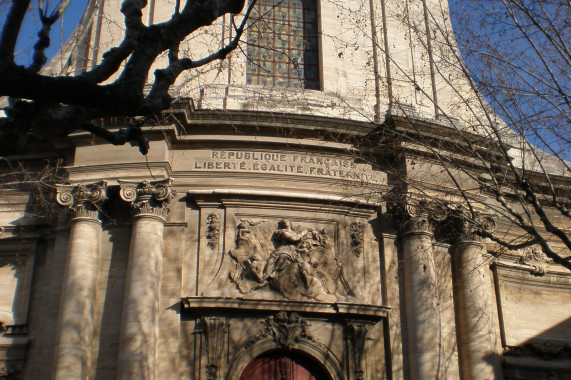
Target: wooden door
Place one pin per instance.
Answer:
(281, 367)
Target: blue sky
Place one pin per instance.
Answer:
(61, 30)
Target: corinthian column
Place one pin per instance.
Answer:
(421, 293)
(75, 325)
(477, 342)
(140, 321)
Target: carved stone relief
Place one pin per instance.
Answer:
(83, 201)
(284, 328)
(455, 223)
(214, 329)
(535, 259)
(356, 333)
(148, 198)
(416, 216)
(357, 241)
(212, 230)
(298, 262)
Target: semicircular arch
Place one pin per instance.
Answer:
(318, 353)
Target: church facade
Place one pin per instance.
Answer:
(267, 235)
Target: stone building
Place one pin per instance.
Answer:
(265, 231)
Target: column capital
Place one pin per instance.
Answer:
(83, 200)
(469, 226)
(418, 216)
(148, 198)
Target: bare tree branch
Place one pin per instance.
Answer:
(11, 30)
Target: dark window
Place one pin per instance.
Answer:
(282, 44)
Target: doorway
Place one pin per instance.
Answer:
(283, 366)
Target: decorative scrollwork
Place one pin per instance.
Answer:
(148, 198)
(82, 200)
(533, 258)
(418, 216)
(469, 225)
(488, 224)
(64, 198)
(128, 193)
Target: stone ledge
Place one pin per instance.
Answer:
(342, 309)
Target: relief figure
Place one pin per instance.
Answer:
(298, 262)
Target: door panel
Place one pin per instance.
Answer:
(279, 367)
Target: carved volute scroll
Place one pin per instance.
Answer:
(418, 216)
(470, 226)
(148, 198)
(83, 201)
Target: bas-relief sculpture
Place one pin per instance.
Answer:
(297, 262)
(284, 328)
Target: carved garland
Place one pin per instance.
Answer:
(212, 230)
(357, 238)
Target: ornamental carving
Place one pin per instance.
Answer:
(214, 329)
(533, 258)
(285, 329)
(83, 201)
(418, 216)
(148, 198)
(212, 230)
(470, 225)
(357, 241)
(356, 333)
(297, 262)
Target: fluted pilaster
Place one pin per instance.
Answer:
(140, 321)
(75, 325)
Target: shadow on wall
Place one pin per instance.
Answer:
(545, 356)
